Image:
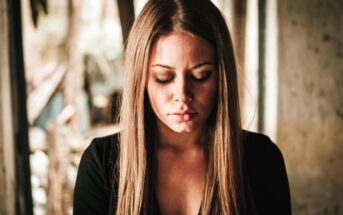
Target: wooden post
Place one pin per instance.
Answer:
(238, 34)
(127, 17)
(74, 78)
(58, 158)
(20, 123)
(261, 62)
(58, 155)
(15, 185)
(239, 20)
(7, 160)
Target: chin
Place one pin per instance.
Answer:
(183, 128)
(182, 131)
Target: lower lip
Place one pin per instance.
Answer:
(184, 117)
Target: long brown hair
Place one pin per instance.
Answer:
(225, 186)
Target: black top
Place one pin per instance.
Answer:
(96, 184)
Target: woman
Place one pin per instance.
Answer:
(181, 149)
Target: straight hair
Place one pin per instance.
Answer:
(226, 189)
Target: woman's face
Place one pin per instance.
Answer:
(182, 81)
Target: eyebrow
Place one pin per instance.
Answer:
(194, 67)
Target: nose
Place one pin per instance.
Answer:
(182, 91)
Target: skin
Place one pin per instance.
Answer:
(182, 88)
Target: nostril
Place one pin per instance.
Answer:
(184, 99)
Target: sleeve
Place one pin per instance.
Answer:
(274, 195)
(91, 195)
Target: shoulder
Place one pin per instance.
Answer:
(104, 147)
(259, 146)
(102, 144)
(267, 174)
(96, 176)
(102, 150)
(261, 155)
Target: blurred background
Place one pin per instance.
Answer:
(61, 73)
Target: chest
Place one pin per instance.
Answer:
(179, 187)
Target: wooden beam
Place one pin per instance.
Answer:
(39, 97)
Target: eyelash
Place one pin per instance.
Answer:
(162, 81)
(202, 79)
(199, 80)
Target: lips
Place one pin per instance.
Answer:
(184, 116)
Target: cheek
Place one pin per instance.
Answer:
(151, 93)
(207, 96)
(157, 96)
(208, 91)
(210, 98)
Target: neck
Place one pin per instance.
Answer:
(169, 139)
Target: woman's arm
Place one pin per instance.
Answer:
(267, 176)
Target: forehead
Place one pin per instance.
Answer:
(178, 46)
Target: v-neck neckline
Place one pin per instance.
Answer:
(157, 209)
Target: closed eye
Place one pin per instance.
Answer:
(163, 80)
(200, 77)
